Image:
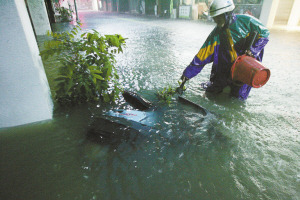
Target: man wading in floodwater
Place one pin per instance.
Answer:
(227, 41)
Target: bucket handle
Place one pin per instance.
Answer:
(252, 38)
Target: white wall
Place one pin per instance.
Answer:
(39, 16)
(281, 14)
(24, 91)
(295, 15)
(268, 12)
(95, 5)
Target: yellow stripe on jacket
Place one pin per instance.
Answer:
(205, 52)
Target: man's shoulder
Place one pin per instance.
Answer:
(250, 21)
(246, 17)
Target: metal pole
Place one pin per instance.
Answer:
(77, 19)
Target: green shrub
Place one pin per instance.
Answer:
(87, 65)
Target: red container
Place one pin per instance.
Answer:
(249, 71)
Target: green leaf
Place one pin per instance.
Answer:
(106, 98)
(95, 31)
(61, 78)
(96, 71)
(95, 50)
(98, 77)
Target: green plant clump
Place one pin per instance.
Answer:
(86, 65)
(168, 93)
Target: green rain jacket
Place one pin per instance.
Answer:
(214, 50)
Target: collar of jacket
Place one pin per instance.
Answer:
(230, 18)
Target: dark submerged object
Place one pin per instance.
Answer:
(198, 107)
(137, 101)
(111, 130)
(102, 130)
(120, 125)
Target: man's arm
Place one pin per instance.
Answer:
(203, 57)
(263, 37)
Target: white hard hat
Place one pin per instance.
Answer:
(218, 7)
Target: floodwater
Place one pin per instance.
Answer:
(240, 150)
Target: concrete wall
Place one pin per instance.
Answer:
(294, 19)
(282, 14)
(39, 16)
(95, 5)
(268, 12)
(24, 91)
(86, 4)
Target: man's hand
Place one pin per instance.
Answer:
(249, 53)
(180, 89)
(184, 78)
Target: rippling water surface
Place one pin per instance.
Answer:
(240, 150)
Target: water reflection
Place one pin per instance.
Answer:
(145, 163)
(120, 160)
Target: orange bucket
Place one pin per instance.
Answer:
(249, 71)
